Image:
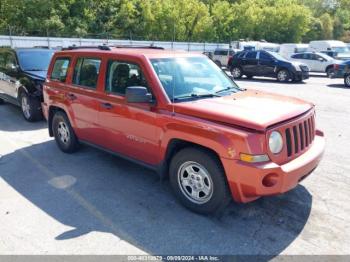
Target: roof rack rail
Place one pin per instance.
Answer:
(139, 47)
(74, 47)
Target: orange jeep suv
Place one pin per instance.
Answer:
(181, 115)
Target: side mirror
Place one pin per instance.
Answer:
(137, 94)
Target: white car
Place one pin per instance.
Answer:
(317, 62)
(221, 56)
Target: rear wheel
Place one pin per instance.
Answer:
(31, 107)
(347, 80)
(198, 181)
(283, 75)
(236, 72)
(64, 133)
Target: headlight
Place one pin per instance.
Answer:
(297, 68)
(275, 142)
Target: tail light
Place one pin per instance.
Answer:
(230, 58)
(335, 66)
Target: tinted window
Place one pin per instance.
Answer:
(86, 72)
(60, 68)
(34, 60)
(121, 75)
(307, 56)
(251, 55)
(264, 56)
(298, 56)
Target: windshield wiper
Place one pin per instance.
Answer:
(230, 88)
(195, 95)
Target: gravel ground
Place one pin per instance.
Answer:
(94, 203)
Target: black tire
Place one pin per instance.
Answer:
(283, 75)
(2, 101)
(236, 72)
(69, 142)
(31, 107)
(220, 195)
(329, 71)
(347, 80)
(218, 63)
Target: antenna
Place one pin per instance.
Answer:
(174, 71)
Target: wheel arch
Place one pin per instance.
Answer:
(52, 111)
(175, 145)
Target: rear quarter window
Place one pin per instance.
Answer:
(60, 68)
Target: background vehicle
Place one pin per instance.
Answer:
(336, 49)
(269, 64)
(221, 56)
(181, 115)
(22, 72)
(317, 62)
(342, 71)
(286, 50)
(255, 45)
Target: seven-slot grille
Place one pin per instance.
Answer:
(300, 136)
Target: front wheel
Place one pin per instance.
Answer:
(31, 108)
(236, 72)
(198, 180)
(329, 71)
(347, 80)
(64, 133)
(283, 75)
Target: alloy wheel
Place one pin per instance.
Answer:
(63, 132)
(25, 106)
(195, 182)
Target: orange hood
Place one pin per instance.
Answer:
(251, 109)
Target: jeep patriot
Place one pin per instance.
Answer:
(181, 115)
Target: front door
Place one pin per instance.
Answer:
(129, 129)
(8, 75)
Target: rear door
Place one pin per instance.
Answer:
(250, 63)
(266, 64)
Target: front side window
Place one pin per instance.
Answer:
(86, 72)
(264, 56)
(191, 77)
(121, 75)
(34, 60)
(60, 68)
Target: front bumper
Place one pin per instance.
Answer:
(248, 182)
(301, 75)
(45, 110)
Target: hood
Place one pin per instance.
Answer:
(343, 56)
(40, 75)
(250, 109)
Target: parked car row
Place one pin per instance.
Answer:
(174, 112)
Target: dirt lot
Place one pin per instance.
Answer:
(94, 203)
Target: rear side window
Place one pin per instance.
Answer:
(86, 72)
(251, 55)
(60, 68)
(264, 56)
(298, 56)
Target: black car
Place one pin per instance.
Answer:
(22, 72)
(342, 71)
(269, 64)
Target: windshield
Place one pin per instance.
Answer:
(34, 60)
(341, 49)
(192, 77)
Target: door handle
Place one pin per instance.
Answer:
(71, 96)
(107, 105)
